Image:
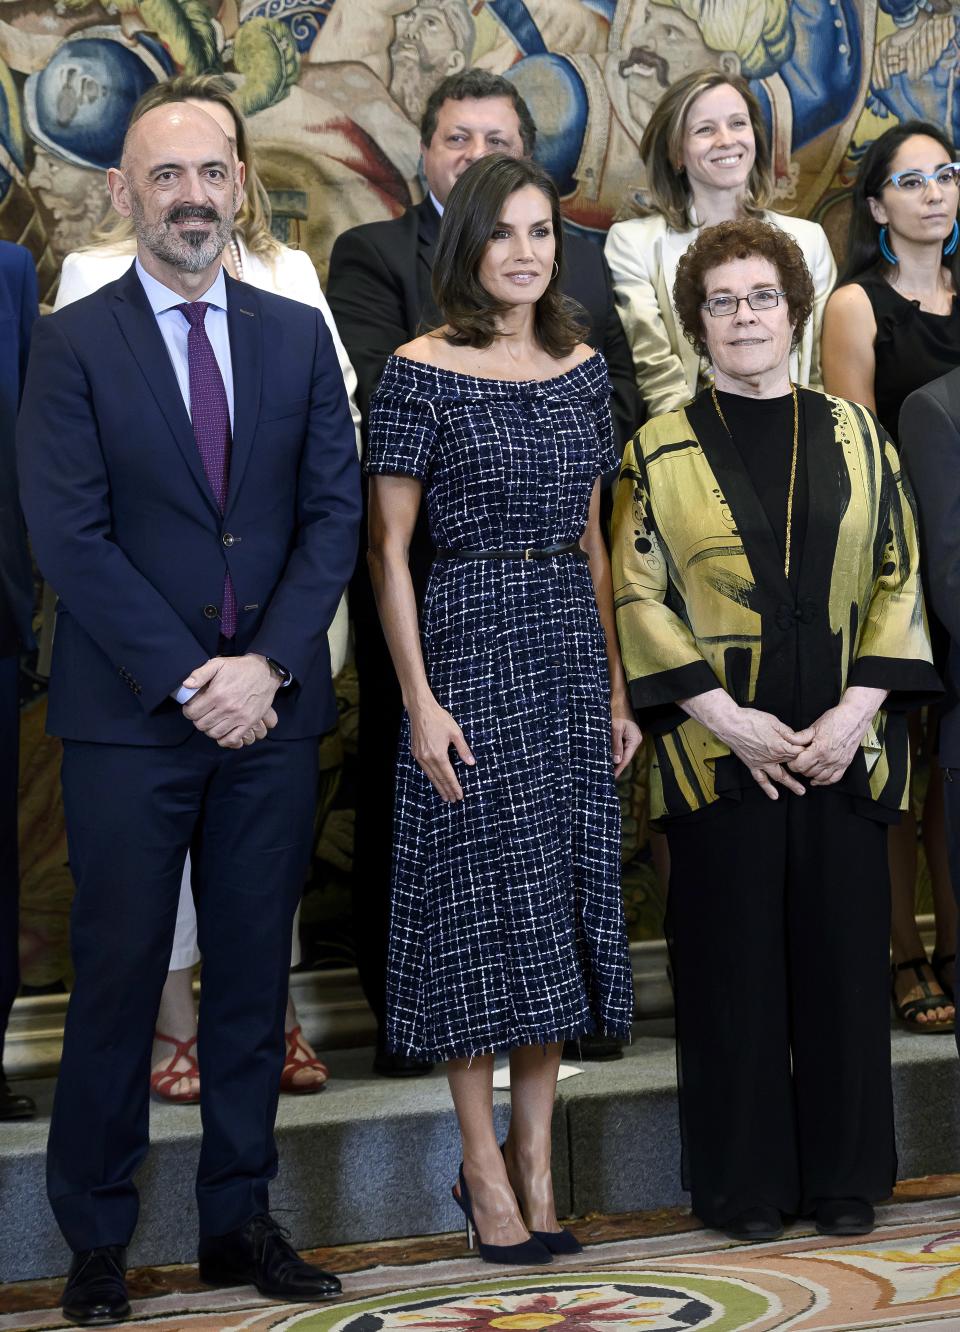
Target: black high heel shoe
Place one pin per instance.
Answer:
(562, 1242)
(528, 1253)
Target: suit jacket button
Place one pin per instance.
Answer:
(228, 538)
(211, 612)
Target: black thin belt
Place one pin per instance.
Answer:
(531, 553)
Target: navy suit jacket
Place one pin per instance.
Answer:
(930, 452)
(126, 529)
(18, 311)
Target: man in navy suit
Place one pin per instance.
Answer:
(18, 310)
(190, 480)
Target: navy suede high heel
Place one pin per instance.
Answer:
(528, 1253)
(562, 1242)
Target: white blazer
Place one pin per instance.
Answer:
(643, 254)
(290, 274)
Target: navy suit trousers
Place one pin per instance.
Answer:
(951, 791)
(132, 813)
(9, 868)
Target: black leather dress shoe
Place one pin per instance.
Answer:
(399, 1066)
(14, 1105)
(96, 1289)
(844, 1216)
(259, 1254)
(593, 1047)
(755, 1223)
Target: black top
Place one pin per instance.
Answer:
(913, 347)
(762, 432)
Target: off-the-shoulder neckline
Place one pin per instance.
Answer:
(400, 361)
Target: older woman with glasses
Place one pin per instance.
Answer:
(893, 326)
(772, 631)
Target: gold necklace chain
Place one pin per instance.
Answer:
(793, 466)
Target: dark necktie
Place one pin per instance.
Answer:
(210, 413)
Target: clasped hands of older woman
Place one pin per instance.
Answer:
(774, 752)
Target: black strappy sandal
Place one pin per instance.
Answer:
(910, 1009)
(938, 964)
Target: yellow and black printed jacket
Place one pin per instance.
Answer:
(702, 598)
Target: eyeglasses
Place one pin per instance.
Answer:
(764, 299)
(947, 177)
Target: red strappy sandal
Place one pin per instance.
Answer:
(163, 1080)
(297, 1058)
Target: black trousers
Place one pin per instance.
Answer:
(378, 734)
(9, 865)
(951, 789)
(132, 814)
(779, 929)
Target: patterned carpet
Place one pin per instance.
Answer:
(631, 1276)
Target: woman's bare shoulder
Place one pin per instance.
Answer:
(850, 301)
(428, 349)
(581, 352)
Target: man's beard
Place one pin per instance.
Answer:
(190, 251)
(411, 83)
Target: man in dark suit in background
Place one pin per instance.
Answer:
(189, 476)
(379, 291)
(18, 310)
(930, 451)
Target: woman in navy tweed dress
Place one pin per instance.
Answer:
(507, 928)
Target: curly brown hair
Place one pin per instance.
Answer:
(745, 238)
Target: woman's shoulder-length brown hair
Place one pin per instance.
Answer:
(661, 148)
(470, 216)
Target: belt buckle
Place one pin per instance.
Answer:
(528, 553)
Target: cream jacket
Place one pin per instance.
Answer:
(291, 274)
(643, 254)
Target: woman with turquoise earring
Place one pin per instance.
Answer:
(891, 326)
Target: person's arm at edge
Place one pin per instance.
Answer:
(658, 369)
(847, 358)
(65, 496)
(394, 505)
(626, 405)
(311, 293)
(823, 270)
(29, 311)
(930, 454)
(626, 734)
(303, 604)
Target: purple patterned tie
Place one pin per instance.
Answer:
(210, 414)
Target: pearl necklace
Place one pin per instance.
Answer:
(236, 257)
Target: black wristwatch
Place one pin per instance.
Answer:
(278, 669)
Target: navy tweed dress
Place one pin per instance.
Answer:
(506, 924)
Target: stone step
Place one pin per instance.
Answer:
(374, 1158)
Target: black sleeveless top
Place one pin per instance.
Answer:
(912, 348)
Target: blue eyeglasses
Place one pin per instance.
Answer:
(947, 177)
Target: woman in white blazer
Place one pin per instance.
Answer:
(255, 256)
(707, 160)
